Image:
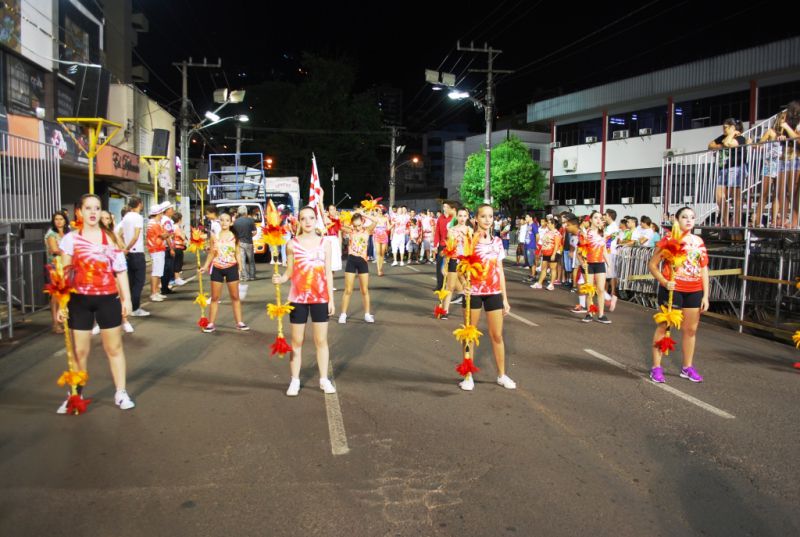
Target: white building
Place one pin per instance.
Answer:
(457, 151)
(609, 140)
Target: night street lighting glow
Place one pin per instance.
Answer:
(243, 118)
(211, 116)
(456, 95)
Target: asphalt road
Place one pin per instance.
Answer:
(584, 446)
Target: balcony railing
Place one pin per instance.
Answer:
(30, 184)
(755, 185)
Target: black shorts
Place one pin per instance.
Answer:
(452, 265)
(680, 300)
(597, 268)
(356, 265)
(222, 275)
(85, 310)
(299, 315)
(488, 302)
(555, 258)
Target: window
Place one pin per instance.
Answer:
(25, 86)
(577, 190)
(576, 133)
(773, 99)
(711, 111)
(654, 119)
(641, 189)
(536, 155)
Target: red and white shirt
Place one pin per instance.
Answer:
(400, 224)
(689, 275)
(155, 243)
(490, 280)
(309, 281)
(94, 266)
(595, 247)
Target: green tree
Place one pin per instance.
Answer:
(320, 111)
(517, 181)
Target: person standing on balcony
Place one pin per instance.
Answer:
(788, 188)
(730, 151)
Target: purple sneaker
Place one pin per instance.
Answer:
(691, 374)
(657, 375)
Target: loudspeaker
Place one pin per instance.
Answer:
(91, 91)
(160, 142)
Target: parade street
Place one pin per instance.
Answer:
(585, 445)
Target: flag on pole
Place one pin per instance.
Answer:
(315, 194)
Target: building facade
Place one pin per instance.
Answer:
(607, 142)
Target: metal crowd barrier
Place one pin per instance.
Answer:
(21, 279)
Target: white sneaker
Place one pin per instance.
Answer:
(123, 400)
(127, 327)
(536, 285)
(342, 318)
(95, 330)
(294, 388)
(402, 264)
(506, 382)
(467, 384)
(369, 318)
(326, 386)
(140, 313)
(550, 287)
(162, 296)
(156, 298)
(180, 281)
(63, 408)
(394, 263)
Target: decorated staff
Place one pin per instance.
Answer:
(469, 268)
(588, 290)
(273, 235)
(60, 289)
(197, 243)
(448, 253)
(680, 264)
(672, 253)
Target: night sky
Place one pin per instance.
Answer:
(555, 47)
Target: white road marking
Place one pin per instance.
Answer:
(415, 269)
(522, 319)
(336, 425)
(61, 352)
(685, 396)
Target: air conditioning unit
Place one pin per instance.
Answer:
(555, 145)
(619, 135)
(688, 199)
(569, 164)
(656, 200)
(552, 202)
(669, 153)
(645, 132)
(591, 139)
(588, 201)
(627, 201)
(571, 202)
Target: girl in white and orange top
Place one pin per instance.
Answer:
(597, 265)
(100, 278)
(223, 262)
(459, 233)
(690, 294)
(311, 295)
(359, 231)
(488, 290)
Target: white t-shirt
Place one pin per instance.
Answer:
(129, 224)
(523, 233)
(646, 233)
(612, 232)
(216, 227)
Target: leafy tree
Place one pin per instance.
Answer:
(517, 181)
(320, 111)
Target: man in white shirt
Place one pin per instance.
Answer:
(612, 235)
(646, 233)
(132, 227)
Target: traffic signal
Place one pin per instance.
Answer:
(268, 163)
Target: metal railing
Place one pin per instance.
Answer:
(755, 185)
(30, 181)
(21, 279)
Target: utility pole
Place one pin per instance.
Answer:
(392, 155)
(183, 67)
(488, 107)
(333, 185)
(238, 137)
